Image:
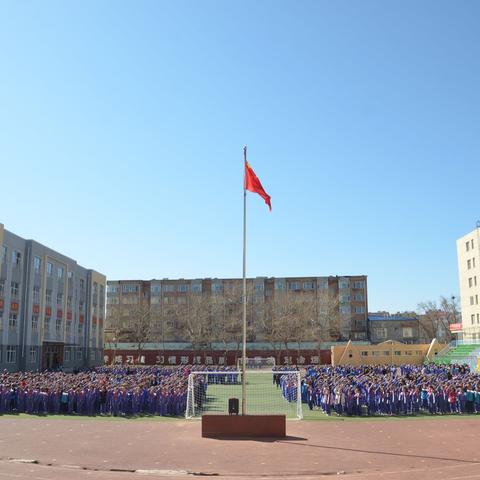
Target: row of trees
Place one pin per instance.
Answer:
(204, 319)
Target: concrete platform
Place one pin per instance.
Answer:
(244, 426)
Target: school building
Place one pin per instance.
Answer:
(468, 256)
(165, 298)
(52, 310)
(386, 353)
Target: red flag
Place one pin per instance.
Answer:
(252, 184)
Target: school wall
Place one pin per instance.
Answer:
(389, 352)
(214, 357)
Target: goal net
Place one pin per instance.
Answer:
(257, 363)
(273, 392)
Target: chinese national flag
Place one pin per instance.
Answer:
(252, 184)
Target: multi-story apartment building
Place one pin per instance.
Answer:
(52, 310)
(468, 255)
(348, 294)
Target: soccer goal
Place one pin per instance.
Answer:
(257, 363)
(274, 392)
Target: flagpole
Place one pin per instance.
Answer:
(244, 350)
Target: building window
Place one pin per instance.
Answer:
(279, 286)
(470, 282)
(344, 298)
(32, 355)
(183, 288)
(322, 283)
(16, 258)
(359, 284)
(60, 272)
(36, 294)
(37, 263)
(472, 244)
(364, 354)
(471, 299)
(196, 288)
(79, 354)
(345, 309)
(129, 288)
(49, 269)
(380, 332)
(11, 354)
(82, 284)
(358, 297)
(80, 329)
(344, 284)
(114, 289)
(70, 274)
(34, 323)
(467, 245)
(407, 332)
(294, 285)
(59, 298)
(67, 354)
(2, 288)
(308, 285)
(469, 264)
(48, 296)
(4, 254)
(12, 321)
(359, 309)
(47, 323)
(472, 318)
(14, 290)
(58, 325)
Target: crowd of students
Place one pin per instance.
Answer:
(391, 390)
(117, 391)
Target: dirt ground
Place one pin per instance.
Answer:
(77, 449)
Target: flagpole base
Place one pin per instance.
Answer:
(244, 426)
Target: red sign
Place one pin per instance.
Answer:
(69, 315)
(80, 319)
(14, 307)
(455, 327)
(59, 313)
(48, 311)
(94, 320)
(2, 303)
(36, 309)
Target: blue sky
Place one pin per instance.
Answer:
(122, 126)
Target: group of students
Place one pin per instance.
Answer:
(391, 390)
(117, 391)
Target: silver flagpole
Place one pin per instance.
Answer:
(244, 353)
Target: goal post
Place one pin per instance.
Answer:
(256, 363)
(268, 392)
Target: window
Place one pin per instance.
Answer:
(308, 285)
(59, 272)
(14, 289)
(397, 353)
(380, 332)
(129, 288)
(358, 297)
(345, 309)
(11, 354)
(359, 309)
(471, 299)
(80, 329)
(114, 289)
(470, 282)
(32, 357)
(59, 298)
(364, 354)
(12, 321)
(16, 258)
(322, 283)
(472, 318)
(344, 298)
(344, 284)
(47, 323)
(4, 254)
(472, 244)
(359, 284)
(68, 329)
(37, 263)
(58, 325)
(70, 274)
(467, 245)
(67, 354)
(478, 318)
(217, 287)
(407, 332)
(469, 264)
(36, 294)
(69, 303)
(294, 285)
(49, 269)
(48, 296)
(279, 286)
(197, 288)
(2, 288)
(82, 284)
(34, 323)
(79, 354)
(183, 288)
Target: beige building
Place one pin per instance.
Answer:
(386, 353)
(468, 255)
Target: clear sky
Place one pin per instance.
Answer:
(122, 125)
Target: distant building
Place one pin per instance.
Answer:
(468, 256)
(167, 297)
(382, 327)
(52, 310)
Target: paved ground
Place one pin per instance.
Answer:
(77, 449)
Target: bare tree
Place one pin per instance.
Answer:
(141, 325)
(326, 320)
(435, 319)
